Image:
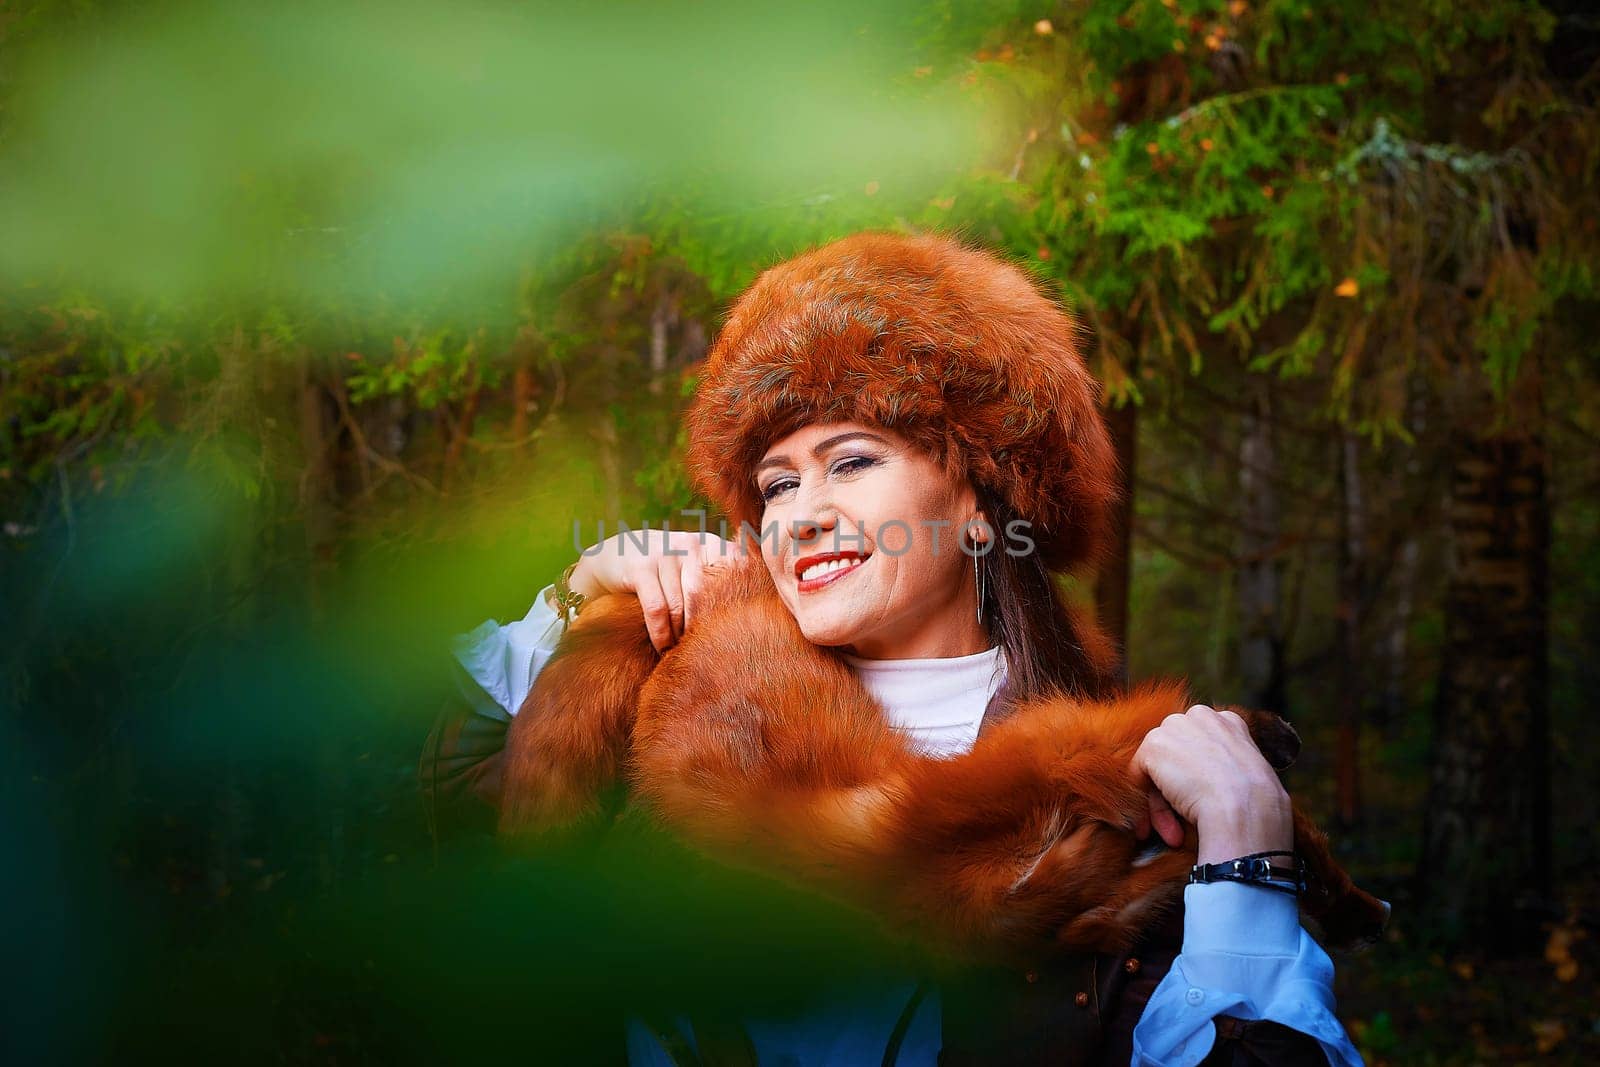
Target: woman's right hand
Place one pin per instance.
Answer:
(667, 574)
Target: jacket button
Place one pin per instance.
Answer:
(1032, 976)
(1132, 966)
(1195, 996)
(1081, 1000)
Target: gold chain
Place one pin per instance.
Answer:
(568, 603)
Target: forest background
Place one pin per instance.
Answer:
(320, 324)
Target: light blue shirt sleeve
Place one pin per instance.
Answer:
(504, 660)
(1246, 955)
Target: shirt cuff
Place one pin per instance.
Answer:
(504, 660)
(1245, 955)
(1239, 919)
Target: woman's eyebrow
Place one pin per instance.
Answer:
(821, 447)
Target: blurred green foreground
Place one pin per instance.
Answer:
(322, 327)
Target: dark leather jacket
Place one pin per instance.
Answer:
(1073, 1011)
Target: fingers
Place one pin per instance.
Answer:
(1165, 821)
(671, 577)
(1234, 721)
(1160, 815)
(693, 579)
(657, 615)
(655, 599)
(1163, 764)
(708, 555)
(1201, 766)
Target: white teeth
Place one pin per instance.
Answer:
(817, 570)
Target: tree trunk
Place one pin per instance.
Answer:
(319, 496)
(1486, 834)
(1112, 579)
(460, 432)
(607, 441)
(524, 391)
(693, 344)
(1261, 640)
(318, 491)
(235, 586)
(662, 318)
(1391, 706)
(1352, 687)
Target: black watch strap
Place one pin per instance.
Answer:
(1257, 868)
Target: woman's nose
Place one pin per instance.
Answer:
(809, 529)
(816, 518)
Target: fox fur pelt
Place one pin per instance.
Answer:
(760, 747)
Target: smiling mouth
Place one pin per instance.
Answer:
(818, 572)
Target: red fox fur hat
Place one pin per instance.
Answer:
(950, 346)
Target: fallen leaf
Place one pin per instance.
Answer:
(1558, 951)
(1347, 288)
(1548, 1033)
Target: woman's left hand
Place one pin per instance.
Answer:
(1203, 766)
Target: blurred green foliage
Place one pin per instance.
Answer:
(320, 324)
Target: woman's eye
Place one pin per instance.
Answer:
(775, 488)
(845, 466)
(853, 464)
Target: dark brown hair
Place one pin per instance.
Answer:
(1048, 649)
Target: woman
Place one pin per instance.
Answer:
(907, 428)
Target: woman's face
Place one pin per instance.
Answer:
(862, 535)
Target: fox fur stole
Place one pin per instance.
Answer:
(760, 747)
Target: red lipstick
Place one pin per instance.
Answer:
(814, 584)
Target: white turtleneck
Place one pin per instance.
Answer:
(937, 702)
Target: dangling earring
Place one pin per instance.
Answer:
(977, 580)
